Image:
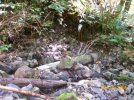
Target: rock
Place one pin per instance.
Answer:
(129, 88)
(59, 92)
(34, 98)
(130, 97)
(94, 83)
(63, 75)
(21, 99)
(115, 71)
(13, 86)
(108, 75)
(86, 73)
(87, 96)
(84, 59)
(29, 87)
(66, 63)
(121, 98)
(35, 89)
(8, 97)
(126, 72)
(114, 94)
(121, 91)
(17, 64)
(102, 96)
(97, 68)
(24, 72)
(83, 71)
(48, 75)
(33, 63)
(3, 74)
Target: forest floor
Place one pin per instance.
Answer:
(63, 68)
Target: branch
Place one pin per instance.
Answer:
(36, 82)
(28, 93)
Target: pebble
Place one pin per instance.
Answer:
(129, 88)
(121, 98)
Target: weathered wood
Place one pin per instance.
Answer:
(28, 93)
(47, 84)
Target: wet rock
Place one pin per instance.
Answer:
(24, 72)
(129, 88)
(33, 63)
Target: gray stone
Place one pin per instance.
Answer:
(3, 74)
(18, 64)
(121, 98)
(108, 75)
(129, 88)
(59, 92)
(24, 72)
(86, 73)
(33, 63)
(97, 68)
(87, 96)
(29, 87)
(63, 75)
(83, 59)
(121, 91)
(13, 86)
(46, 74)
(130, 97)
(114, 94)
(127, 72)
(8, 97)
(66, 63)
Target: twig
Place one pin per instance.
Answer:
(46, 97)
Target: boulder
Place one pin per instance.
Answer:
(24, 72)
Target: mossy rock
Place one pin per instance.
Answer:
(67, 96)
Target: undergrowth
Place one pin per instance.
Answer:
(102, 24)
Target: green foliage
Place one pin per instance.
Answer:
(123, 78)
(36, 17)
(59, 6)
(67, 96)
(5, 47)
